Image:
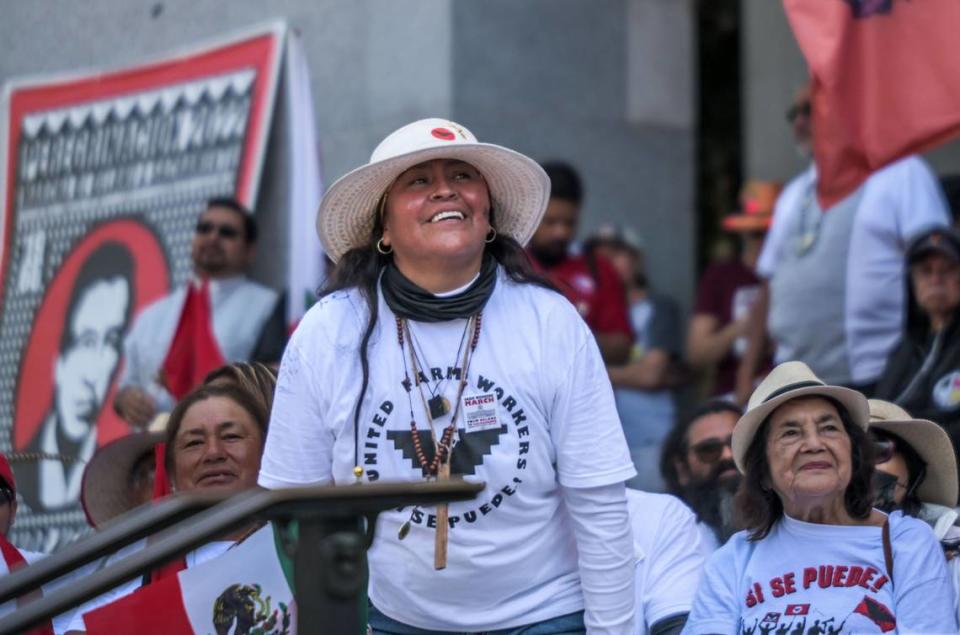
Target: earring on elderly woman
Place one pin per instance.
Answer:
(491, 235)
(382, 249)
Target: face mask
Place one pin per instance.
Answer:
(885, 486)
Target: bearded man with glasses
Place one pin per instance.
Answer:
(697, 466)
(246, 319)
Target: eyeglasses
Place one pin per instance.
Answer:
(884, 449)
(710, 450)
(797, 110)
(7, 495)
(227, 232)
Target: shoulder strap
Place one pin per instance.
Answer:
(887, 550)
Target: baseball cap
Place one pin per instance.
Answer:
(939, 240)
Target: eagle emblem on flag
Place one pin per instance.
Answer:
(243, 605)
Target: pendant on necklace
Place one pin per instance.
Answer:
(439, 406)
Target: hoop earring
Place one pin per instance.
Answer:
(491, 235)
(381, 250)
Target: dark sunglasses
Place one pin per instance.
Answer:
(710, 450)
(7, 495)
(798, 109)
(884, 449)
(228, 232)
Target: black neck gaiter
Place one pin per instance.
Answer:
(410, 301)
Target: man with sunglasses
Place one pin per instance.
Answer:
(697, 465)
(831, 294)
(247, 319)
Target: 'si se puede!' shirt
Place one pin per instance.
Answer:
(537, 414)
(811, 579)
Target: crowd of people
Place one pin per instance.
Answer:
(464, 333)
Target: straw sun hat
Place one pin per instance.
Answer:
(519, 188)
(757, 200)
(785, 382)
(928, 440)
(105, 490)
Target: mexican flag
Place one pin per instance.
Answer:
(249, 589)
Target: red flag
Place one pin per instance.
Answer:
(877, 613)
(194, 351)
(886, 83)
(14, 560)
(797, 609)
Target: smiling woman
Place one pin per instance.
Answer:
(814, 549)
(435, 352)
(214, 441)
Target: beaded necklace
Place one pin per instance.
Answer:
(443, 446)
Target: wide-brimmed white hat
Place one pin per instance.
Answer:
(785, 382)
(519, 188)
(927, 439)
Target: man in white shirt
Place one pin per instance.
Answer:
(247, 318)
(669, 561)
(832, 295)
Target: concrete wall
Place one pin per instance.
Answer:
(607, 84)
(773, 69)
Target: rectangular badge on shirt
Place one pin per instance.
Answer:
(479, 412)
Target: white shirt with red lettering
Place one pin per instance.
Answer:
(805, 578)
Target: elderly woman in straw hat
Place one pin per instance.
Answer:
(917, 475)
(435, 352)
(815, 555)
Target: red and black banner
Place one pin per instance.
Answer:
(102, 177)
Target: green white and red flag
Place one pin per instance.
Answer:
(248, 589)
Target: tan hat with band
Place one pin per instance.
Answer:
(927, 439)
(787, 381)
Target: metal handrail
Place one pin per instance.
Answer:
(125, 530)
(306, 504)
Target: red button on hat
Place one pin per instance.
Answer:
(443, 133)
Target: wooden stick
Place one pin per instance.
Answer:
(440, 541)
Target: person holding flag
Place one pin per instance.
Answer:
(214, 441)
(848, 257)
(219, 317)
(436, 352)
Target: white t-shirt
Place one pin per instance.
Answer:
(199, 555)
(708, 539)
(60, 622)
(897, 202)
(670, 559)
(829, 577)
(546, 420)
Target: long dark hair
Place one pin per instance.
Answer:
(359, 268)
(759, 507)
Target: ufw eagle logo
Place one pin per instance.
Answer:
(867, 8)
(244, 606)
(468, 453)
